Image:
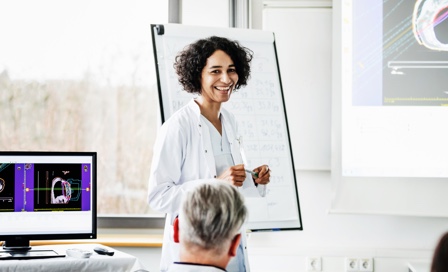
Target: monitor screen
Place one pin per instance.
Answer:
(45, 196)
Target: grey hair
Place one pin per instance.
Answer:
(211, 215)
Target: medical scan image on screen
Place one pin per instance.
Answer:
(30, 187)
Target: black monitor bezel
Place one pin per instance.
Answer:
(17, 241)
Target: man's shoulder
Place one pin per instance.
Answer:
(187, 267)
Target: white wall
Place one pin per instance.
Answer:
(206, 13)
(303, 36)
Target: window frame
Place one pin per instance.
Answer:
(152, 221)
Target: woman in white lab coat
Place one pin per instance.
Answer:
(201, 141)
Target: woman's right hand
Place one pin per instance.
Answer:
(234, 175)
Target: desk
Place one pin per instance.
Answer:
(119, 262)
(112, 240)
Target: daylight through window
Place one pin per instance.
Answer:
(79, 76)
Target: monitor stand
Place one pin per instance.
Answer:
(23, 250)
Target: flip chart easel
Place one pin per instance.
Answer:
(259, 108)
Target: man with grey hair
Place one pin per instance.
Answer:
(208, 227)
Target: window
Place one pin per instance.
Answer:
(78, 75)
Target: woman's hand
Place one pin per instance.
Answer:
(264, 174)
(234, 175)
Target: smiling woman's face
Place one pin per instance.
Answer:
(218, 77)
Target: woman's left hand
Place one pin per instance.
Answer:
(264, 175)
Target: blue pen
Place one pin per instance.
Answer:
(255, 174)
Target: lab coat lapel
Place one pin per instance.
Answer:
(207, 148)
(205, 140)
(233, 139)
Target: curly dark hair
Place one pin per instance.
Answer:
(192, 59)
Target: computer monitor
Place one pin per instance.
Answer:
(46, 196)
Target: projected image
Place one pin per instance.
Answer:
(415, 53)
(399, 53)
(428, 15)
(6, 187)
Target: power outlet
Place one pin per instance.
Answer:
(313, 264)
(366, 264)
(358, 264)
(351, 264)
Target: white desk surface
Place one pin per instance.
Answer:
(419, 266)
(120, 261)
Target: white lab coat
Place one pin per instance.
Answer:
(183, 158)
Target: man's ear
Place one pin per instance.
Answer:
(176, 230)
(234, 245)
